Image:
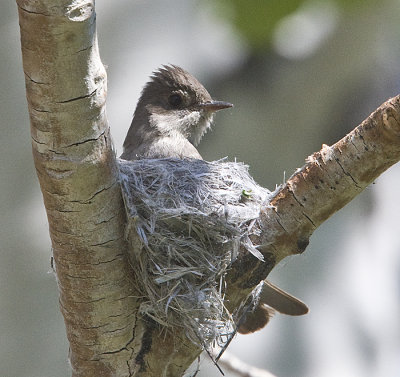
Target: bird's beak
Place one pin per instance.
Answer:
(215, 105)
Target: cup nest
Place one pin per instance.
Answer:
(188, 220)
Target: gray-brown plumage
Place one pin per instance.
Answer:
(173, 113)
(271, 298)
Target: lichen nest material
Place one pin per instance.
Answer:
(187, 222)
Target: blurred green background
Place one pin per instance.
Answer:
(300, 73)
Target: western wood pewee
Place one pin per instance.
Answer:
(173, 113)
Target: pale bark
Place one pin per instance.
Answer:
(240, 369)
(77, 170)
(75, 163)
(329, 180)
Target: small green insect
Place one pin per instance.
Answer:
(246, 193)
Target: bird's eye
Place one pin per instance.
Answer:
(175, 100)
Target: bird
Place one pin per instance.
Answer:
(173, 113)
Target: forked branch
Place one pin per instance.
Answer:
(77, 170)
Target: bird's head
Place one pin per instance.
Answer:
(176, 103)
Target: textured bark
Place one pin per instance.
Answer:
(75, 163)
(329, 180)
(76, 166)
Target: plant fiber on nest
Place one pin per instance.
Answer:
(187, 222)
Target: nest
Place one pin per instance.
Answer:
(188, 220)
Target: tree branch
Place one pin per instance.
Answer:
(329, 180)
(240, 368)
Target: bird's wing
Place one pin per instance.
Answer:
(271, 298)
(280, 300)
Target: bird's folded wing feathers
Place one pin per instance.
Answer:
(271, 298)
